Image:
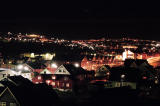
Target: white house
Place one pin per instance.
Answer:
(4, 72)
(127, 54)
(24, 70)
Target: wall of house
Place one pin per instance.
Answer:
(8, 99)
(114, 84)
(64, 83)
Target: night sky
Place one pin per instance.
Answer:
(82, 19)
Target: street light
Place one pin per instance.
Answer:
(53, 65)
(122, 79)
(76, 65)
(122, 76)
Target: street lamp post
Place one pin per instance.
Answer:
(122, 79)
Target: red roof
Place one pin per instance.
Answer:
(38, 70)
(52, 70)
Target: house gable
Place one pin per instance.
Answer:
(45, 71)
(62, 70)
(8, 97)
(103, 68)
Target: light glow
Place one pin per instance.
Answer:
(53, 65)
(20, 67)
(76, 65)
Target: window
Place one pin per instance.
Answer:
(65, 78)
(60, 70)
(36, 82)
(4, 75)
(53, 83)
(3, 104)
(118, 84)
(39, 77)
(48, 81)
(12, 104)
(54, 77)
(67, 85)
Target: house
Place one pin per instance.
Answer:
(35, 68)
(136, 78)
(127, 54)
(4, 72)
(44, 76)
(103, 71)
(64, 78)
(7, 98)
(120, 76)
(135, 63)
(16, 81)
(102, 74)
(143, 66)
(24, 70)
(29, 94)
(69, 77)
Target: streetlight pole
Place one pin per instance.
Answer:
(122, 79)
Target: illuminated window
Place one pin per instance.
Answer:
(53, 77)
(144, 78)
(48, 81)
(58, 84)
(67, 85)
(53, 83)
(117, 84)
(12, 104)
(3, 104)
(39, 77)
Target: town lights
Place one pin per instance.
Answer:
(53, 65)
(76, 65)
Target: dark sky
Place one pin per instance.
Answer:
(82, 19)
